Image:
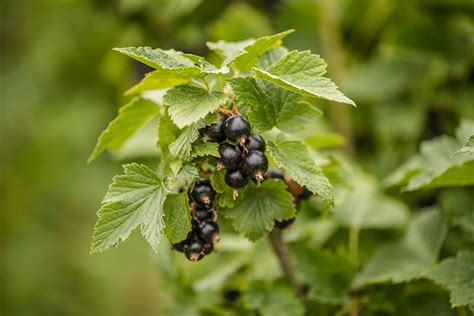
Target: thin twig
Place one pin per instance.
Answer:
(283, 256)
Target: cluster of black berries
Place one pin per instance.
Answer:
(299, 193)
(205, 231)
(241, 153)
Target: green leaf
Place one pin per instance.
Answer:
(187, 172)
(243, 55)
(468, 147)
(158, 58)
(225, 198)
(271, 57)
(201, 149)
(329, 274)
(272, 106)
(167, 133)
(254, 213)
(206, 67)
(411, 257)
(188, 104)
(182, 146)
(273, 300)
(302, 72)
(457, 275)
(164, 78)
(294, 158)
(176, 217)
(367, 207)
(133, 199)
(131, 117)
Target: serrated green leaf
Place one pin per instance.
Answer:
(164, 78)
(176, 217)
(302, 72)
(249, 56)
(329, 274)
(271, 57)
(294, 158)
(167, 133)
(225, 198)
(133, 199)
(243, 55)
(131, 117)
(409, 258)
(272, 106)
(273, 300)
(367, 207)
(201, 149)
(207, 67)
(182, 146)
(158, 58)
(187, 172)
(254, 214)
(457, 275)
(468, 147)
(188, 104)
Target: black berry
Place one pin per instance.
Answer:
(202, 192)
(203, 215)
(209, 232)
(194, 250)
(208, 247)
(255, 164)
(214, 133)
(237, 129)
(255, 142)
(305, 194)
(236, 179)
(285, 223)
(179, 246)
(231, 155)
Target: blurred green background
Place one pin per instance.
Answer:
(408, 64)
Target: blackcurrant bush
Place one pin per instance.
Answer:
(209, 232)
(255, 142)
(237, 129)
(285, 223)
(274, 173)
(194, 250)
(230, 155)
(202, 192)
(255, 164)
(214, 133)
(236, 179)
(208, 247)
(203, 215)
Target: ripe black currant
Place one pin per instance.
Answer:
(255, 142)
(203, 215)
(194, 250)
(202, 192)
(255, 164)
(236, 179)
(214, 133)
(237, 129)
(208, 247)
(230, 155)
(179, 246)
(209, 231)
(305, 194)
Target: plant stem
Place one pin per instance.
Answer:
(354, 243)
(283, 255)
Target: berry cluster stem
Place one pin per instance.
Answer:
(283, 255)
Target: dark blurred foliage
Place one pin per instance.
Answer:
(409, 65)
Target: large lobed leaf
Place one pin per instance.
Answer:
(131, 117)
(158, 58)
(188, 104)
(134, 199)
(295, 159)
(254, 213)
(457, 275)
(411, 257)
(243, 55)
(164, 78)
(302, 72)
(272, 106)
